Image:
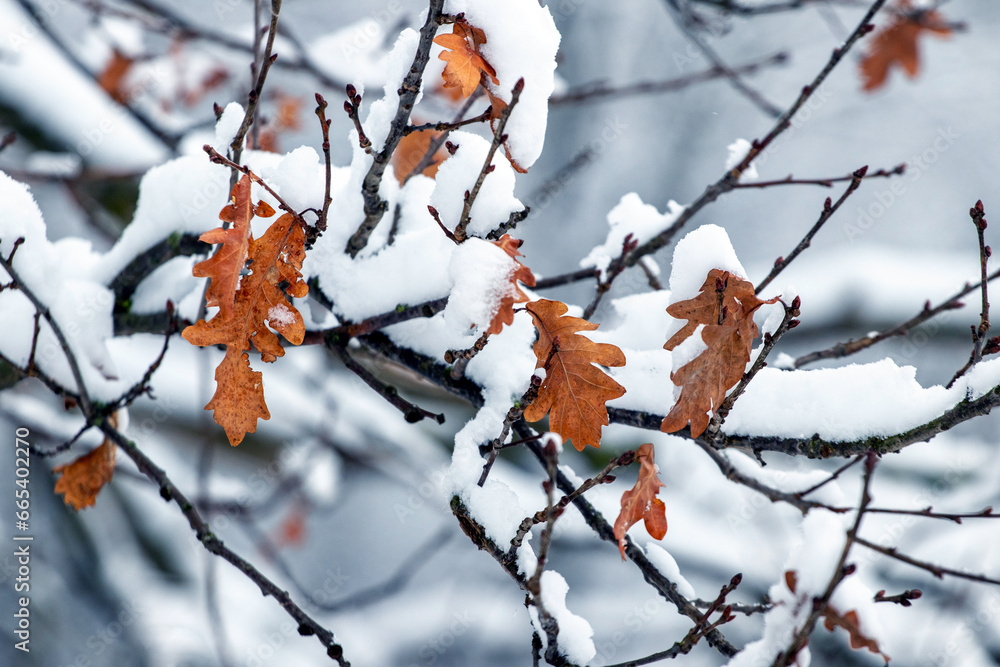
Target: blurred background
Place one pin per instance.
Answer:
(338, 500)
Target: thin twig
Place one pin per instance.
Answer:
(851, 347)
(324, 124)
(688, 25)
(599, 91)
(836, 473)
(829, 208)
(985, 513)
(498, 138)
(437, 142)
(978, 333)
(842, 569)
(512, 417)
(375, 206)
(700, 629)
(453, 125)
(824, 182)
(83, 398)
(236, 147)
(937, 570)
(628, 245)
(411, 411)
(788, 322)
(208, 539)
(543, 515)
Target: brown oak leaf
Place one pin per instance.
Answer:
(849, 622)
(833, 619)
(574, 391)
(411, 151)
(112, 78)
(640, 502)
(464, 65)
(83, 478)
(896, 44)
(505, 313)
(260, 308)
(725, 306)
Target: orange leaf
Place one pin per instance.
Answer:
(640, 502)
(261, 308)
(292, 531)
(574, 391)
(83, 479)
(464, 65)
(225, 266)
(725, 306)
(411, 151)
(896, 44)
(505, 313)
(849, 621)
(112, 79)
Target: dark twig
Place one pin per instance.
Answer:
(902, 599)
(353, 108)
(218, 158)
(842, 570)
(978, 333)
(543, 515)
(600, 91)
(7, 140)
(741, 9)
(236, 147)
(342, 334)
(208, 539)
(453, 125)
(324, 124)
(566, 278)
(513, 416)
(440, 140)
(788, 322)
(702, 627)
(82, 396)
(937, 570)
(829, 208)
(851, 347)
(836, 473)
(375, 206)
(551, 514)
(688, 25)
(824, 182)
(461, 358)
(985, 513)
(498, 138)
(628, 245)
(728, 181)
(411, 412)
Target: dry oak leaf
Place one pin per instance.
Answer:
(411, 151)
(225, 266)
(725, 306)
(574, 391)
(260, 309)
(640, 502)
(896, 44)
(522, 274)
(83, 479)
(112, 79)
(464, 66)
(849, 621)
